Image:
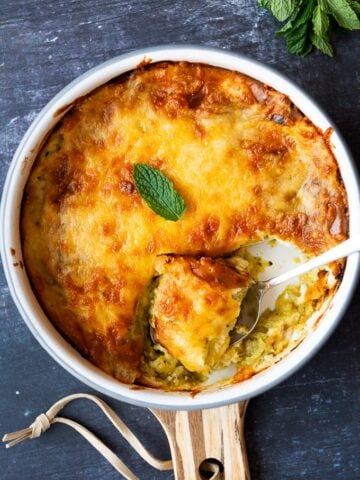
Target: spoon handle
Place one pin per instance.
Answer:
(340, 251)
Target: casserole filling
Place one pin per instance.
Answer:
(249, 167)
(196, 304)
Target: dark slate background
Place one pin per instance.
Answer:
(308, 427)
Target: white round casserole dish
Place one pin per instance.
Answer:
(19, 285)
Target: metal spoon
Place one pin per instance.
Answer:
(251, 306)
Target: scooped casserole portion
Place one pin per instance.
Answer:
(150, 300)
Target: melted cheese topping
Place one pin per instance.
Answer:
(246, 162)
(196, 305)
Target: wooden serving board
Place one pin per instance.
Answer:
(207, 441)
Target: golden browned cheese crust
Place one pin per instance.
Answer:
(195, 306)
(246, 162)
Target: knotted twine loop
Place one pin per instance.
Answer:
(44, 421)
(41, 424)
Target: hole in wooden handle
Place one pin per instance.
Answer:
(210, 469)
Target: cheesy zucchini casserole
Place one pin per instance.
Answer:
(152, 301)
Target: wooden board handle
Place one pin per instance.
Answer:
(216, 434)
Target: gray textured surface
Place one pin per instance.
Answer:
(308, 427)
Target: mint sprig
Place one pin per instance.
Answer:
(281, 9)
(158, 192)
(309, 22)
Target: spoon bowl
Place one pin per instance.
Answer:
(250, 312)
(251, 307)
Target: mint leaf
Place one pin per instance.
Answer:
(282, 9)
(289, 25)
(305, 13)
(298, 41)
(158, 192)
(265, 4)
(301, 15)
(320, 22)
(343, 14)
(298, 30)
(322, 44)
(324, 6)
(320, 36)
(308, 23)
(355, 5)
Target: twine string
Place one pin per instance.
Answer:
(43, 422)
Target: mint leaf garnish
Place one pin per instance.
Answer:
(308, 24)
(343, 13)
(322, 44)
(320, 36)
(320, 22)
(291, 21)
(355, 5)
(158, 192)
(282, 9)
